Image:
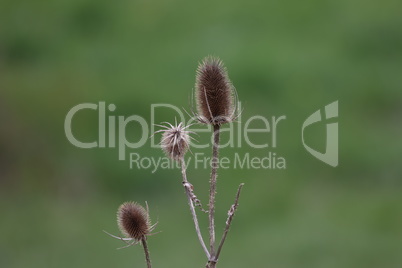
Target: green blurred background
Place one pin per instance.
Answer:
(284, 57)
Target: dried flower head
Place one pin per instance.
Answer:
(214, 93)
(133, 221)
(175, 140)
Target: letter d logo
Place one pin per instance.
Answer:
(331, 151)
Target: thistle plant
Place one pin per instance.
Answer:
(216, 105)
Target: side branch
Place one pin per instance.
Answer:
(189, 193)
(231, 213)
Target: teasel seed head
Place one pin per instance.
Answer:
(175, 140)
(133, 221)
(214, 93)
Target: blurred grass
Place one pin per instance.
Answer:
(285, 58)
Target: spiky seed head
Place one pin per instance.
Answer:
(175, 141)
(133, 221)
(214, 92)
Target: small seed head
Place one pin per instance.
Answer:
(175, 141)
(133, 221)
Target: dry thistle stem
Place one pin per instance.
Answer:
(192, 200)
(175, 143)
(175, 140)
(214, 93)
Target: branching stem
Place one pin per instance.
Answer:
(231, 213)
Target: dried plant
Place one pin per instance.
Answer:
(216, 105)
(215, 97)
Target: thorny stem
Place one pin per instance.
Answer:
(231, 213)
(186, 185)
(212, 190)
(147, 257)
